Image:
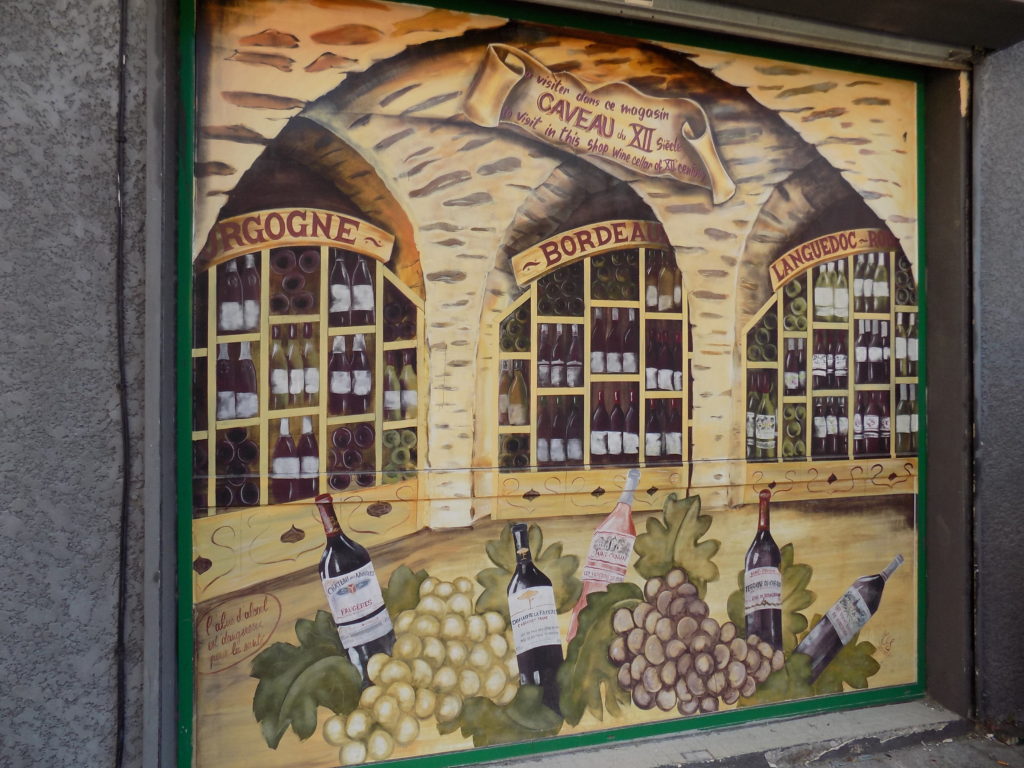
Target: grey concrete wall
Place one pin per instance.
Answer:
(999, 372)
(60, 457)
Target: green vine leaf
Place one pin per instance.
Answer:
(525, 718)
(561, 569)
(295, 680)
(675, 541)
(587, 678)
(795, 598)
(403, 590)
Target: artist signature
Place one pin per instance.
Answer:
(886, 644)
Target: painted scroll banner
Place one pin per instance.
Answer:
(837, 245)
(669, 137)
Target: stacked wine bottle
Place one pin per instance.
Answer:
(514, 333)
(351, 457)
(561, 292)
(237, 457)
(614, 276)
(294, 281)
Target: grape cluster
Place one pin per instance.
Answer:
(443, 654)
(671, 654)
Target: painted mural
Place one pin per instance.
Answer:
(545, 382)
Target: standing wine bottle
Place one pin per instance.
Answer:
(823, 293)
(353, 593)
(819, 361)
(231, 315)
(859, 447)
(841, 295)
(340, 307)
(791, 370)
(845, 619)
(629, 344)
(875, 362)
(311, 363)
(820, 433)
(544, 356)
(534, 620)
(284, 467)
(842, 361)
(831, 428)
(844, 428)
(677, 363)
(340, 372)
(250, 277)
(278, 371)
(296, 369)
(631, 431)
(225, 384)
(574, 359)
(599, 425)
(899, 346)
(247, 403)
(598, 337)
(677, 290)
(362, 377)
(666, 365)
(410, 388)
(912, 345)
(613, 344)
(880, 287)
(872, 425)
(886, 366)
(762, 580)
(504, 382)
(858, 283)
(666, 284)
(869, 284)
(392, 389)
(559, 440)
(362, 293)
(830, 360)
(674, 434)
(518, 397)
(573, 432)
(616, 425)
(765, 430)
(753, 400)
(558, 358)
(651, 357)
(912, 396)
(651, 281)
(902, 422)
(654, 439)
(543, 458)
(611, 548)
(884, 424)
(308, 483)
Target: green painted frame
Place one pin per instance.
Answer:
(642, 30)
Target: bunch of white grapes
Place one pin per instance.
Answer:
(444, 653)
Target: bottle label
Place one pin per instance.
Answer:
(285, 466)
(357, 606)
(361, 382)
(860, 354)
(913, 422)
(764, 430)
(884, 425)
(820, 429)
(903, 422)
(652, 296)
(677, 381)
(848, 615)
(819, 364)
(831, 425)
(296, 381)
(609, 556)
(503, 403)
(762, 589)
(251, 314)
(751, 418)
(842, 303)
(225, 405)
(557, 374)
(803, 378)
(677, 295)
(247, 405)
(841, 363)
(392, 400)
(830, 362)
(871, 425)
(844, 426)
(516, 414)
(875, 354)
(858, 424)
(629, 362)
(279, 381)
(665, 378)
(823, 300)
(232, 316)
(614, 443)
(596, 362)
(309, 466)
(341, 298)
(543, 454)
(533, 618)
(312, 380)
(614, 362)
(630, 443)
(673, 443)
(791, 380)
(573, 449)
(362, 298)
(901, 348)
(652, 444)
(598, 443)
(341, 382)
(574, 374)
(557, 449)
(912, 350)
(881, 289)
(652, 378)
(869, 285)
(410, 398)
(858, 287)
(664, 302)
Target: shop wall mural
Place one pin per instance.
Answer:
(545, 382)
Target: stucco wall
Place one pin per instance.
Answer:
(60, 457)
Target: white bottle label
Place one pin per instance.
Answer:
(884, 425)
(503, 403)
(874, 354)
(341, 382)
(251, 314)
(871, 425)
(762, 589)
(881, 289)
(596, 361)
(652, 378)
(609, 556)
(598, 443)
(232, 316)
(844, 426)
(533, 618)
(858, 287)
(751, 417)
(309, 466)
(341, 298)
(677, 381)
(543, 454)
(652, 444)
(842, 305)
(544, 373)
(410, 398)
(858, 425)
(392, 400)
(614, 443)
(664, 302)
(361, 382)
(652, 296)
(285, 466)
(791, 381)
(629, 362)
(677, 295)
(312, 380)
(665, 379)
(860, 354)
(673, 443)
(573, 449)
(247, 405)
(358, 606)
(614, 362)
(820, 428)
(840, 363)
(901, 348)
(764, 431)
(296, 381)
(913, 422)
(516, 414)
(819, 364)
(823, 300)
(848, 615)
(831, 425)
(630, 443)
(574, 374)
(869, 284)
(558, 374)
(279, 381)
(557, 449)
(362, 298)
(903, 423)
(912, 350)
(225, 405)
